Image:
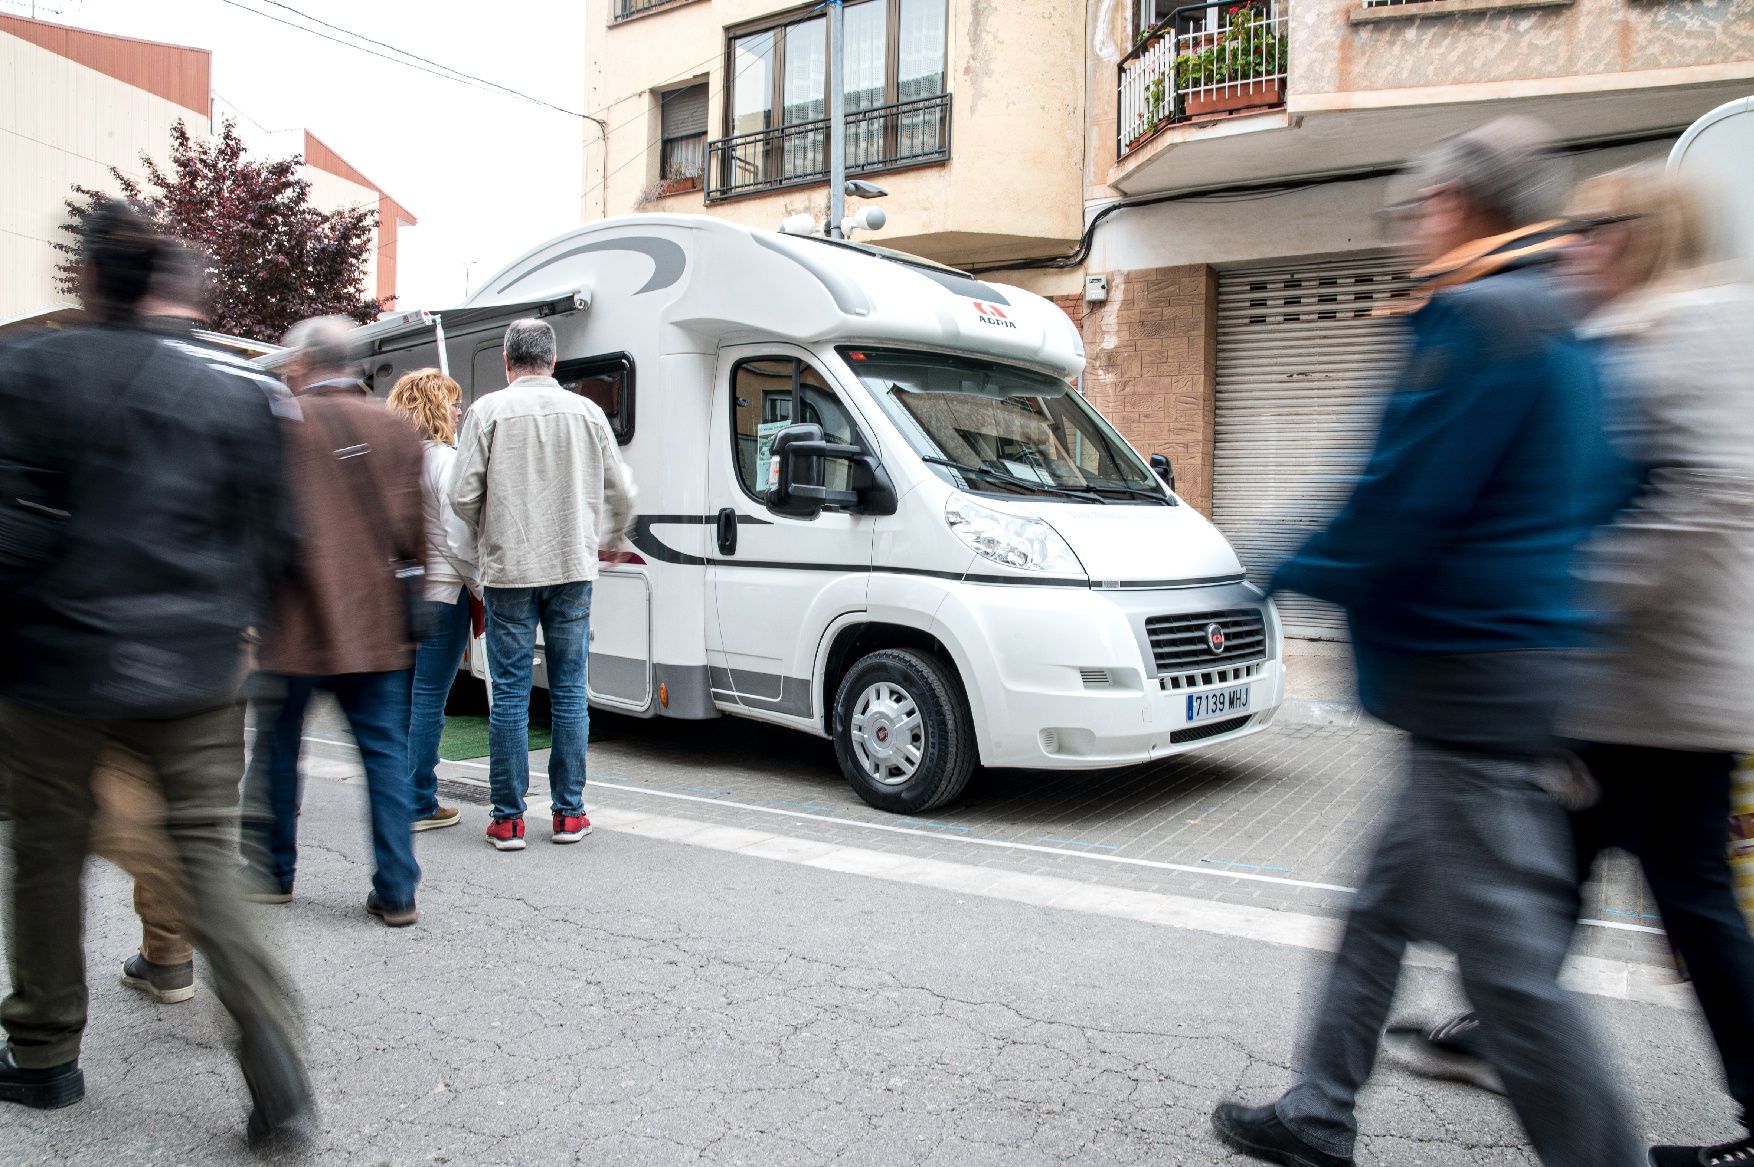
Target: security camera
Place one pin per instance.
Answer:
(860, 189)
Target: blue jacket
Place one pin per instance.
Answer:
(1491, 466)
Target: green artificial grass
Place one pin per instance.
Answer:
(465, 737)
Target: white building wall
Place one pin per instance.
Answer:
(63, 124)
(331, 192)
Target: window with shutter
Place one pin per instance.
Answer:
(682, 117)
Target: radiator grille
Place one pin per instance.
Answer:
(1183, 643)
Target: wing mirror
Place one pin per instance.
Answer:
(1161, 466)
(800, 457)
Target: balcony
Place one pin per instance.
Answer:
(1202, 61)
(628, 9)
(887, 137)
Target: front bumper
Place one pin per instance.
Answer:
(1068, 682)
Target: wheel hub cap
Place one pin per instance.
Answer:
(888, 735)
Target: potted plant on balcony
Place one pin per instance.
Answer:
(680, 184)
(1240, 67)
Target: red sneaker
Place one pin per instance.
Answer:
(570, 828)
(506, 834)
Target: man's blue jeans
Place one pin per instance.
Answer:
(563, 612)
(376, 705)
(436, 661)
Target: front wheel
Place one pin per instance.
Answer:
(902, 731)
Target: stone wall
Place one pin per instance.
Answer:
(1151, 352)
(1330, 53)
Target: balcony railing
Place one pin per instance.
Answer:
(628, 9)
(1202, 60)
(887, 137)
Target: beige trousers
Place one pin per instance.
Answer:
(129, 831)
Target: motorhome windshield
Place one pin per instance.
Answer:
(997, 429)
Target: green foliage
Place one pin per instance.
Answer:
(1247, 48)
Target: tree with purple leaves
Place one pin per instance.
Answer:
(275, 258)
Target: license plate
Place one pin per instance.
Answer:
(1218, 703)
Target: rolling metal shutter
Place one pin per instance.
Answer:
(1302, 367)
(682, 112)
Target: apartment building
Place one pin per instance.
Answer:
(1243, 147)
(969, 113)
(1195, 183)
(78, 102)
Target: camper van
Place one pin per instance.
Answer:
(873, 507)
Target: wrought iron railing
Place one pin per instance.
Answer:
(627, 9)
(1202, 60)
(887, 137)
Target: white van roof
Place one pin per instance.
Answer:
(719, 282)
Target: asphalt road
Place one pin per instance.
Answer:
(634, 1000)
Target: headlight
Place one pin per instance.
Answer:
(1018, 541)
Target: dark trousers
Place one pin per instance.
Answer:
(1670, 809)
(376, 705)
(1476, 857)
(47, 762)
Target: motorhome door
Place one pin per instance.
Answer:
(770, 578)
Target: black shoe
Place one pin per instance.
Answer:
(1452, 1050)
(45, 1089)
(1731, 1154)
(1257, 1132)
(262, 888)
(284, 1113)
(165, 983)
(395, 915)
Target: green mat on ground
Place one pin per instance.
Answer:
(465, 737)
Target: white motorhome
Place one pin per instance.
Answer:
(873, 507)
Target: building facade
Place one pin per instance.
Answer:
(1194, 184)
(1237, 154)
(79, 102)
(970, 113)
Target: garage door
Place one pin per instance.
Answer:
(1302, 366)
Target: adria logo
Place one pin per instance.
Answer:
(992, 314)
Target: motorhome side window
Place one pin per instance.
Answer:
(609, 382)
(769, 394)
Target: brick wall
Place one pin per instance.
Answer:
(1151, 353)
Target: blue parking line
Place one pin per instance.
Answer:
(1630, 915)
(1075, 843)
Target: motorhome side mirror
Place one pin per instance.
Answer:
(1160, 464)
(800, 456)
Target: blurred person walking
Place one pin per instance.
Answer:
(1673, 578)
(432, 402)
(1453, 558)
(143, 531)
(342, 624)
(129, 827)
(540, 489)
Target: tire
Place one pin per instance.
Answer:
(902, 690)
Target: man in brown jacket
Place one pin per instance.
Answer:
(341, 623)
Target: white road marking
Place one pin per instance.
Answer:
(1005, 844)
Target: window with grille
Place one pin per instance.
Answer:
(682, 118)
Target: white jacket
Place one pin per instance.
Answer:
(539, 486)
(446, 571)
(1674, 572)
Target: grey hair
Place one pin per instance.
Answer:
(1509, 170)
(325, 342)
(530, 344)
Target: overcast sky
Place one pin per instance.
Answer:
(487, 175)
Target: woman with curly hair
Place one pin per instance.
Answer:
(432, 402)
